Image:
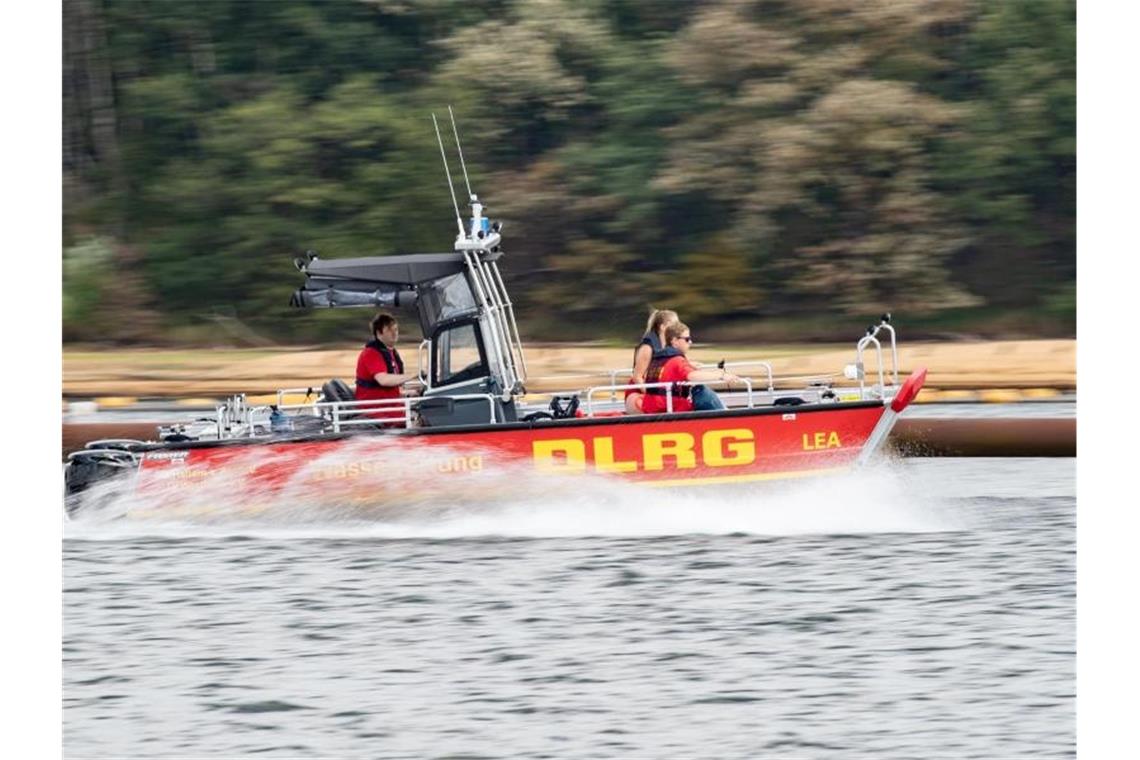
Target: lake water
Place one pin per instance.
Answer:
(924, 608)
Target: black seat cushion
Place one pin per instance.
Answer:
(337, 390)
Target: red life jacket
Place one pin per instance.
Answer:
(653, 374)
(392, 362)
(367, 389)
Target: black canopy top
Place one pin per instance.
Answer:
(407, 270)
(436, 284)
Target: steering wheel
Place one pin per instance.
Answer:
(469, 372)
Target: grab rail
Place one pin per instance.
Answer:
(356, 413)
(753, 363)
(668, 391)
(612, 374)
(871, 336)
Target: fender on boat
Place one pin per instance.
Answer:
(909, 390)
(902, 399)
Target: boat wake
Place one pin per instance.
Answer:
(340, 496)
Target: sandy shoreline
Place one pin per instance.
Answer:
(156, 373)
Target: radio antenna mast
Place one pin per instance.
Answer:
(450, 184)
(459, 148)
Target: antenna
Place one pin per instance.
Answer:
(450, 184)
(459, 148)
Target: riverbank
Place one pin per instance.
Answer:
(954, 368)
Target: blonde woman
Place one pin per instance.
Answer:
(651, 342)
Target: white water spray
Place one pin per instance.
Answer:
(351, 493)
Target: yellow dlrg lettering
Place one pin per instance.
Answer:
(560, 455)
(727, 448)
(679, 446)
(821, 440)
(604, 457)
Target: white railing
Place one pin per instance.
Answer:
(668, 391)
(616, 387)
(516, 344)
(315, 391)
(369, 412)
(498, 320)
(755, 363)
(871, 338)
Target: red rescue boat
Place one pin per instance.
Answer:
(475, 427)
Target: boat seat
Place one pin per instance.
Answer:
(337, 390)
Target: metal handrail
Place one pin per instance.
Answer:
(894, 351)
(668, 391)
(756, 363)
(866, 339)
(359, 408)
(486, 298)
(497, 317)
(314, 390)
(613, 373)
(871, 336)
(517, 344)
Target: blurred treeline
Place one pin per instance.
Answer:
(768, 167)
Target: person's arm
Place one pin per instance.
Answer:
(641, 359)
(389, 380)
(712, 375)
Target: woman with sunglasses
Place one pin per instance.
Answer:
(671, 365)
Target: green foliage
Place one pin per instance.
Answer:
(712, 281)
(735, 160)
(87, 270)
(103, 298)
(1010, 172)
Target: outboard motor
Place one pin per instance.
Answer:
(89, 467)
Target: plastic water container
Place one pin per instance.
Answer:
(279, 422)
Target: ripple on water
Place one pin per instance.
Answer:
(734, 629)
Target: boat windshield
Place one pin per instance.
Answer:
(445, 299)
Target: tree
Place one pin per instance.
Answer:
(825, 167)
(1011, 172)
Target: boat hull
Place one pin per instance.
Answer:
(697, 449)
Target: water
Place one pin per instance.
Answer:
(922, 609)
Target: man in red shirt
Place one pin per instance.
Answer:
(671, 365)
(379, 368)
